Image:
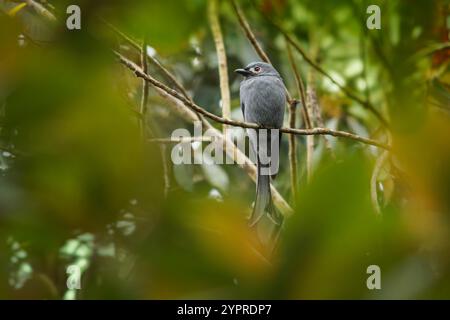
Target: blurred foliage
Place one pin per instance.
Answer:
(79, 186)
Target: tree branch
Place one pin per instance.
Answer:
(166, 73)
(305, 111)
(213, 16)
(292, 142)
(248, 32)
(300, 87)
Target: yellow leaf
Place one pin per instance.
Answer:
(16, 9)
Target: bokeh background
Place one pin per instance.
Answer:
(81, 185)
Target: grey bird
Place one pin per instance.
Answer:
(263, 98)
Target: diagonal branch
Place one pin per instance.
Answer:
(166, 73)
(249, 33)
(300, 88)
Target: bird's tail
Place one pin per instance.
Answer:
(263, 203)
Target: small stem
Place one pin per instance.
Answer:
(249, 33)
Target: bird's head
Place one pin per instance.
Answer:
(255, 69)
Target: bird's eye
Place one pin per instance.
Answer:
(257, 69)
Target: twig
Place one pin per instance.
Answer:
(153, 60)
(305, 111)
(300, 87)
(248, 32)
(193, 106)
(258, 49)
(292, 142)
(293, 153)
(213, 16)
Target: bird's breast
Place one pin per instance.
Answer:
(264, 99)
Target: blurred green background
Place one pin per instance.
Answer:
(80, 186)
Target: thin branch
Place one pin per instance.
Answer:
(300, 87)
(153, 60)
(248, 32)
(292, 141)
(315, 131)
(213, 16)
(305, 111)
(258, 49)
(293, 153)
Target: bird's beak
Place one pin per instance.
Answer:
(243, 72)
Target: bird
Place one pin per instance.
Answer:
(262, 99)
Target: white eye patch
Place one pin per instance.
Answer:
(256, 69)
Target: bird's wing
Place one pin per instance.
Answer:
(243, 109)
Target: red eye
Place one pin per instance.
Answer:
(257, 69)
